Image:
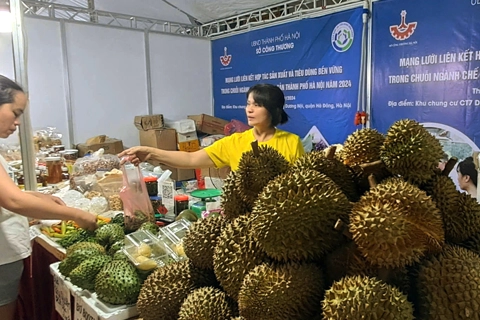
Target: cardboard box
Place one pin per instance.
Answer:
(154, 121)
(208, 124)
(221, 173)
(165, 139)
(111, 146)
(180, 174)
(189, 146)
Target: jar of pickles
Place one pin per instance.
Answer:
(54, 169)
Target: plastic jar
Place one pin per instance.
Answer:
(54, 169)
(152, 185)
(181, 203)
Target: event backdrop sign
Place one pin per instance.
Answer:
(316, 62)
(426, 66)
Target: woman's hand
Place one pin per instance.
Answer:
(136, 155)
(86, 220)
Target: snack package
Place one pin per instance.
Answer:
(111, 184)
(136, 202)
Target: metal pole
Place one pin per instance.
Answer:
(20, 64)
(149, 73)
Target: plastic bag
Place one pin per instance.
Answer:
(111, 186)
(95, 164)
(136, 202)
(46, 138)
(235, 126)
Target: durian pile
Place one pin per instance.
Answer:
(371, 230)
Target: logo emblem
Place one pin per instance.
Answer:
(404, 30)
(226, 58)
(342, 37)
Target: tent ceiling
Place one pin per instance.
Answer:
(181, 11)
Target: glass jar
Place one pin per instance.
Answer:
(65, 174)
(54, 169)
(181, 203)
(152, 185)
(20, 180)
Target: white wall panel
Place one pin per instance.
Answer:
(7, 70)
(181, 75)
(108, 81)
(46, 82)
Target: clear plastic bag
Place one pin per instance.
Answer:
(46, 138)
(111, 191)
(92, 165)
(136, 202)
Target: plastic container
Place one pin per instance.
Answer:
(69, 154)
(54, 169)
(152, 185)
(146, 251)
(181, 203)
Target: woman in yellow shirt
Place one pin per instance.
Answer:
(264, 112)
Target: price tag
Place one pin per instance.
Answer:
(62, 298)
(83, 311)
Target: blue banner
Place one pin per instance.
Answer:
(426, 66)
(316, 62)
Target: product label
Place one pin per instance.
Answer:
(62, 298)
(83, 311)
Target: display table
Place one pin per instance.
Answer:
(36, 289)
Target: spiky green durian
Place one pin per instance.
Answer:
(84, 274)
(110, 233)
(296, 215)
(77, 253)
(206, 303)
(274, 292)
(150, 226)
(465, 222)
(411, 151)
(200, 241)
(332, 168)
(236, 253)
(395, 224)
(232, 202)
(449, 285)
(362, 146)
(365, 298)
(164, 291)
(118, 283)
(255, 171)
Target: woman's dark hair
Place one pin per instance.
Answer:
(8, 89)
(467, 168)
(271, 98)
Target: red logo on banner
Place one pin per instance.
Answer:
(404, 30)
(226, 58)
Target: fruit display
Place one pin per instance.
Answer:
(370, 230)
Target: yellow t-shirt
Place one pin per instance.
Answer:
(228, 151)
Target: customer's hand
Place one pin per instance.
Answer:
(86, 220)
(136, 155)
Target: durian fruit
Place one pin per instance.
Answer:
(395, 224)
(472, 243)
(85, 245)
(296, 215)
(165, 289)
(110, 233)
(449, 285)
(362, 146)
(206, 303)
(150, 226)
(118, 283)
(232, 202)
(287, 291)
(77, 253)
(332, 168)
(466, 222)
(411, 151)
(236, 253)
(84, 274)
(200, 241)
(365, 298)
(256, 168)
